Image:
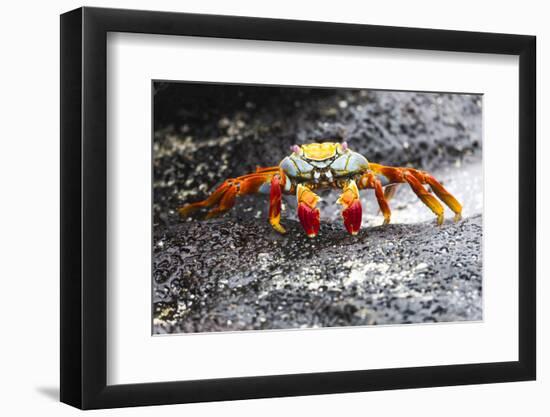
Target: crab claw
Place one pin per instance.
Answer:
(309, 217)
(352, 217)
(352, 212)
(307, 212)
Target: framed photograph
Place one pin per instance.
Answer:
(258, 208)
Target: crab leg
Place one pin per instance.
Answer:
(373, 182)
(444, 196)
(275, 198)
(352, 212)
(213, 199)
(307, 212)
(424, 195)
(415, 179)
(223, 198)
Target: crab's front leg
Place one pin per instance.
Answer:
(308, 213)
(352, 212)
(369, 180)
(275, 203)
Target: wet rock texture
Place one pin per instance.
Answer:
(235, 273)
(222, 275)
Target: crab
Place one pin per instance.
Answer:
(327, 165)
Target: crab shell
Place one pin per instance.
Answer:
(322, 165)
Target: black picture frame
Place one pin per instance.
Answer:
(84, 207)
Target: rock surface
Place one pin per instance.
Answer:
(223, 275)
(235, 273)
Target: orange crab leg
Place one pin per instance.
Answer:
(213, 199)
(223, 198)
(352, 212)
(275, 202)
(226, 202)
(307, 212)
(381, 197)
(444, 196)
(426, 197)
(415, 179)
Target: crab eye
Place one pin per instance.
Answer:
(296, 149)
(343, 147)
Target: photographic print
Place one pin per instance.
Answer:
(288, 207)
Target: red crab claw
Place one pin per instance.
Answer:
(352, 217)
(353, 212)
(307, 212)
(309, 218)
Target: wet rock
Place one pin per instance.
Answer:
(222, 275)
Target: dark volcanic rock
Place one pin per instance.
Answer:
(222, 275)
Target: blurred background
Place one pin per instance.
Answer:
(235, 273)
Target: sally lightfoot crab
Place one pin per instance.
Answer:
(318, 166)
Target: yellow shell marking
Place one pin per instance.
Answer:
(320, 151)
